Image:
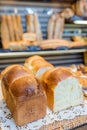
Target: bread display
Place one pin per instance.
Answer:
(33, 25)
(29, 37)
(59, 27)
(79, 40)
(62, 87)
(67, 13)
(38, 65)
(4, 32)
(18, 45)
(54, 43)
(15, 28)
(63, 90)
(80, 71)
(19, 26)
(23, 94)
(55, 26)
(56, 23)
(30, 23)
(51, 25)
(81, 7)
(10, 28)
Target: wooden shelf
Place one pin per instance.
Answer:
(53, 52)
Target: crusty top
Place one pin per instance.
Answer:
(55, 75)
(32, 58)
(37, 62)
(20, 81)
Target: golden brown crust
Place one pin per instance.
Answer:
(83, 81)
(51, 25)
(67, 13)
(10, 28)
(59, 27)
(55, 75)
(5, 37)
(19, 25)
(37, 27)
(54, 43)
(23, 94)
(30, 23)
(20, 81)
(28, 60)
(15, 27)
(37, 62)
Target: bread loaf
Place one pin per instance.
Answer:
(54, 43)
(37, 27)
(51, 25)
(5, 37)
(38, 65)
(10, 28)
(81, 8)
(63, 90)
(30, 23)
(67, 13)
(59, 27)
(29, 37)
(15, 28)
(19, 25)
(23, 94)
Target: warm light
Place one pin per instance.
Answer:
(80, 21)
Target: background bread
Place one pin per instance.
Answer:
(19, 25)
(51, 25)
(4, 32)
(30, 23)
(10, 28)
(37, 27)
(59, 27)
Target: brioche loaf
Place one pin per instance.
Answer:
(63, 90)
(23, 94)
(38, 65)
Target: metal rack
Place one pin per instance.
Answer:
(44, 11)
(57, 58)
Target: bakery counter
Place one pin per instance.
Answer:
(56, 57)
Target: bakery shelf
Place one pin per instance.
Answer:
(52, 52)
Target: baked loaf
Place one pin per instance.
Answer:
(80, 72)
(63, 90)
(38, 65)
(55, 26)
(23, 94)
(33, 25)
(54, 43)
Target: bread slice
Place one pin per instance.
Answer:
(63, 90)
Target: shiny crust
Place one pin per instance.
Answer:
(23, 94)
(55, 75)
(20, 81)
(30, 59)
(37, 62)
